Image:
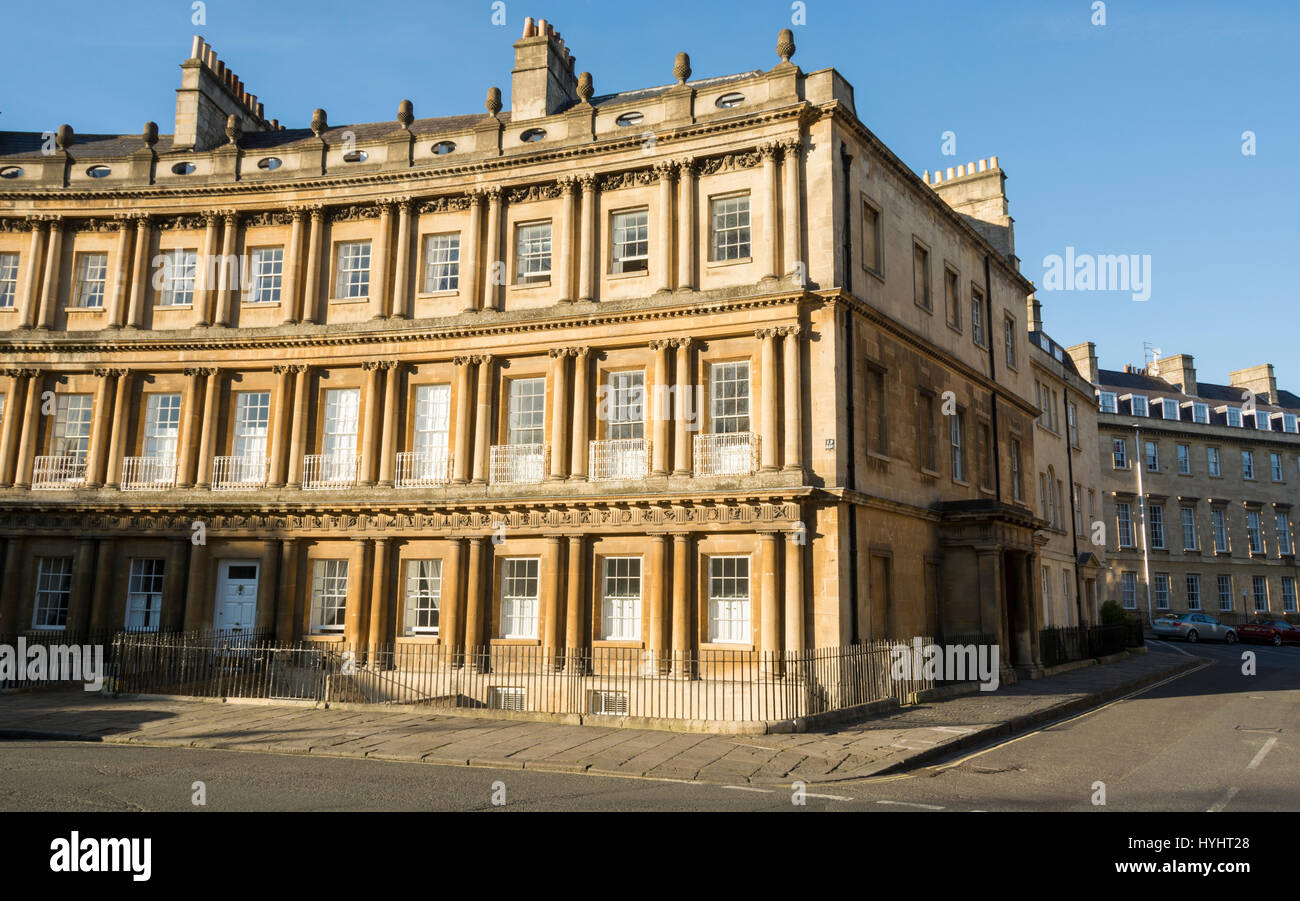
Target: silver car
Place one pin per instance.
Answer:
(1193, 627)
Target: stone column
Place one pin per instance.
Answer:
(792, 232)
(185, 442)
(552, 605)
(471, 269)
(203, 295)
(379, 290)
(28, 311)
(568, 188)
(281, 405)
(402, 277)
(268, 588)
(291, 288)
(660, 411)
(211, 417)
(388, 423)
(768, 254)
(794, 603)
(312, 308)
(991, 593)
(574, 621)
(9, 422)
(382, 622)
(587, 247)
(686, 226)
(460, 462)
(140, 271)
(494, 254)
(100, 426)
(667, 173)
(117, 443)
(198, 592)
(298, 435)
(682, 594)
(288, 624)
(681, 440)
(31, 423)
(172, 615)
(658, 634)
(451, 621)
(793, 391)
(474, 593)
(370, 424)
(228, 280)
(121, 270)
(11, 585)
(50, 285)
(101, 603)
(482, 423)
(559, 411)
(768, 600)
(767, 421)
(581, 412)
(83, 565)
(356, 620)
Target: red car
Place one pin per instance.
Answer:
(1272, 631)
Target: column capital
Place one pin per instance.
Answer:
(282, 369)
(687, 165)
(493, 193)
(660, 343)
(142, 220)
(666, 170)
(317, 211)
(579, 351)
(483, 359)
(372, 365)
(476, 196)
(568, 184)
(768, 150)
(557, 352)
(462, 360)
(790, 331)
(589, 182)
(768, 332)
(231, 217)
(299, 367)
(792, 147)
(682, 343)
(210, 217)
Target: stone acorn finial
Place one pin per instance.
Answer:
(63, 137)
(318, 122)
(493, 102)
(405, 113)
(234, 129)
(150, 133)
(682, 67)
(785, 45)
(585, 88)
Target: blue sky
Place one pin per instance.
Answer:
(1122, 138)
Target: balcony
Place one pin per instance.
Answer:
(325, 471)
(149, 473)
(619, 458)
(238, 473)
(517, 464)
(65, 471)
(423, 469)
(730, 454)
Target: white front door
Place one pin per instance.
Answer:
(236, 595)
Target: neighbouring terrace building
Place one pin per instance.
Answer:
(1201, 484)
(692, 367)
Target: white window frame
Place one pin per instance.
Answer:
(533, 253)
(442, 262)
(91, 277)
(329, 595)
(624, 404)
(1192, 584)
(422, 593)
(1255, 531)
(1201, 413)
(526, 411)
(1190, 540)
(179, 272)
(1248, 464)
(1219, 526)
(1283, 533)
(630, 241)
(620, 598)
(1256, 583)
(53, 598)
(267, 264)
(1108, 401)
(146, 582)
(1225, 597)
(162, 426)
(1156, 518)
(8, 280)
(339, 426)
(252, 424)
(730, 611)
(431, 430)
(730, 394)
(520, 596)
(352, 270)
(73, 415)
(1160, 590)
(1128, 590)
(730, 238)
(1214, 461)
(1184, 453)
(1136, 400)
(1124, 524)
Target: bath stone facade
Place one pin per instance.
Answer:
(690, 367)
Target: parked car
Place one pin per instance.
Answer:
(1193, 627)
(1273, 631)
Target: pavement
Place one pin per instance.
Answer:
(899, 740)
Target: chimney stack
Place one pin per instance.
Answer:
(1085, 360)
(543, 81)
(1259, 379)
(978, 191)
(209, 95)
(1035, 313)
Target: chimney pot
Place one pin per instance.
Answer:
(530, 28)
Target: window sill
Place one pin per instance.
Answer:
(615, 643)
(83, 310)
(962, 482)
(345, 300)
(870, 271)
(726, 646)
(932, 473)
(637, 273)
(714, 264)
(529, 286)
(877, 455)
(955, 329)
(1191, 552)
(429, 638)
(260, 304)
(427, 295)
(921, 306)
(324, 637)
(174, 306)
(516, 642)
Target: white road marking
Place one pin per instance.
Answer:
(1171, 647)
(749, 788)
(829, 797)
(960, 730)
(911, 804)
(1219, 805)
(1268, 746)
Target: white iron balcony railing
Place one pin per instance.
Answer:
(729, 454)
(64, 471)
(149, 473)
(517, 464)
(238, 473)
(619, 458)
(423, 469)
(330, 471)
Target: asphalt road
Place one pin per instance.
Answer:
(1214, 739)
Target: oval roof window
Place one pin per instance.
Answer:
(269, 162)
(444, 147)
(356, 156)
(183, 168)
(98, 171)
(11, 171)
(533, 134)
(727, 101)
(627, 119)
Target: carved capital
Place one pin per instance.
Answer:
(661, 343)
(768, 151)
(791, 331)
(568, 185)
(589, 182)
(462, 361)
(682, 343)
(686, 166)
(578, 351)
(792, 148)
(556, 353)
(483, 359)
(231, 218)
(666, 170)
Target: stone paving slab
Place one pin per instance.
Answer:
(905, 737)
